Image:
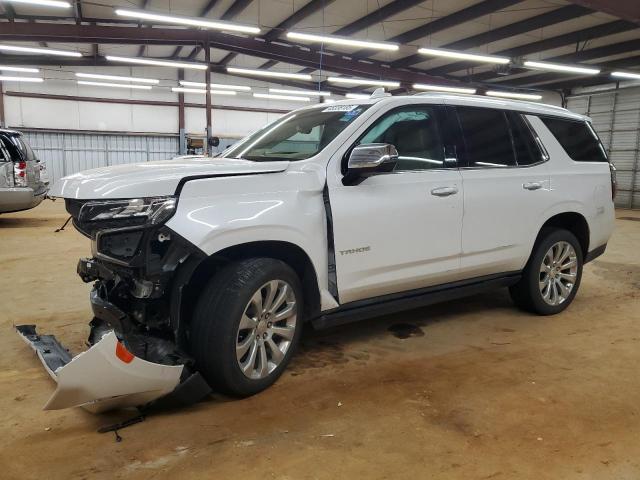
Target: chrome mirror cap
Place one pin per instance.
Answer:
(371, 155)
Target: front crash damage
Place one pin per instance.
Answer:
(105, 377)
(138, 343)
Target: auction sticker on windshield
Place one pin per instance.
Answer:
(340, 108)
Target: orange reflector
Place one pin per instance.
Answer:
(123, 354)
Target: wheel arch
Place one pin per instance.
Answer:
(574, 222)
(289, 253)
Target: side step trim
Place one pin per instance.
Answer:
(384, 305)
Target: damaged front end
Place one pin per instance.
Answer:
(137, 341)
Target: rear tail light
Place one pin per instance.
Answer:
(614, 181)
(20, 174)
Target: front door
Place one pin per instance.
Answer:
(400, 230)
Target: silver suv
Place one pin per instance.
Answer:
(21, 184)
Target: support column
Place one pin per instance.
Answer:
(207, 59)
(2, 122)
(182, 145)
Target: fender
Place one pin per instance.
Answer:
(287, 207)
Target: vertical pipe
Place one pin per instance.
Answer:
(182, 148)
(2, 124)
(207, 59)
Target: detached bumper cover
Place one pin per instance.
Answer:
(104, 377)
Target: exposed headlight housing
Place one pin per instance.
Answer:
(133, 211)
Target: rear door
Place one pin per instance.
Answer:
(506, 187)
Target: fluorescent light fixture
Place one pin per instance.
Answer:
(202, 91)
(633, 76)
(293, 98)
(328, 100)
(313, 93)
(7, 78)
(7, 68)
(267, 73)
(43, 3)
(118, 78)
(364, 81)
(45, 51)
(520, 96)
(440, 88)
(192, 22)
(242, 88)
(334, 40)
(159, 63)
(557, 67)
(115, 85)
(474, 57)
(357, 96)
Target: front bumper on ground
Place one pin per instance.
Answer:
(104, 377)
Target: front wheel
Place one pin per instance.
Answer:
(552, 275)
(246, 325)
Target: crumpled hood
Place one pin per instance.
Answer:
(150, 179)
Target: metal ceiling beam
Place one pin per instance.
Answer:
(584, 35)
(597, 79)
(518, 28)
(206, 10)
(141, 48)
(377, 16)
(625, 9)
(468, 14)
(362, 23)
(576, 57)
(296, 17)
(71, 33)
(234, 9)
(101, 61)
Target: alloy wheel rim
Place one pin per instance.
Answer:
(558, 273)
(266, 329)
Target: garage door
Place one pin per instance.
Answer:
(616, 118)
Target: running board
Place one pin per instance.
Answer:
(387, 304)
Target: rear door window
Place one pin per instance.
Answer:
(487, 137)
(527, 152)
(577, 138)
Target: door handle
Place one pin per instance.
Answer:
(444, 191)
(532, 185)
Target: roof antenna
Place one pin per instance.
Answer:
(379, 93)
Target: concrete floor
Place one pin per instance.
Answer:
(481, 391)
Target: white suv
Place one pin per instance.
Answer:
(331, 213)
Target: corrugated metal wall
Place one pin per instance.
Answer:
(616, 118)
(65, 153)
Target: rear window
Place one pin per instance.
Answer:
(577, 138)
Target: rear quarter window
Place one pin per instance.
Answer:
(577, 138)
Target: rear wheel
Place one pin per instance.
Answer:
(552, 275)
(246, 325)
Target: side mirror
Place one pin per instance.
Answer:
(368, 159)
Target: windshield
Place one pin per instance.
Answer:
(296, 136)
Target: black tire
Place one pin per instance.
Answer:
(214, 328)
(526, 293)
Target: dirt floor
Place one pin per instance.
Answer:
(479, 390)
